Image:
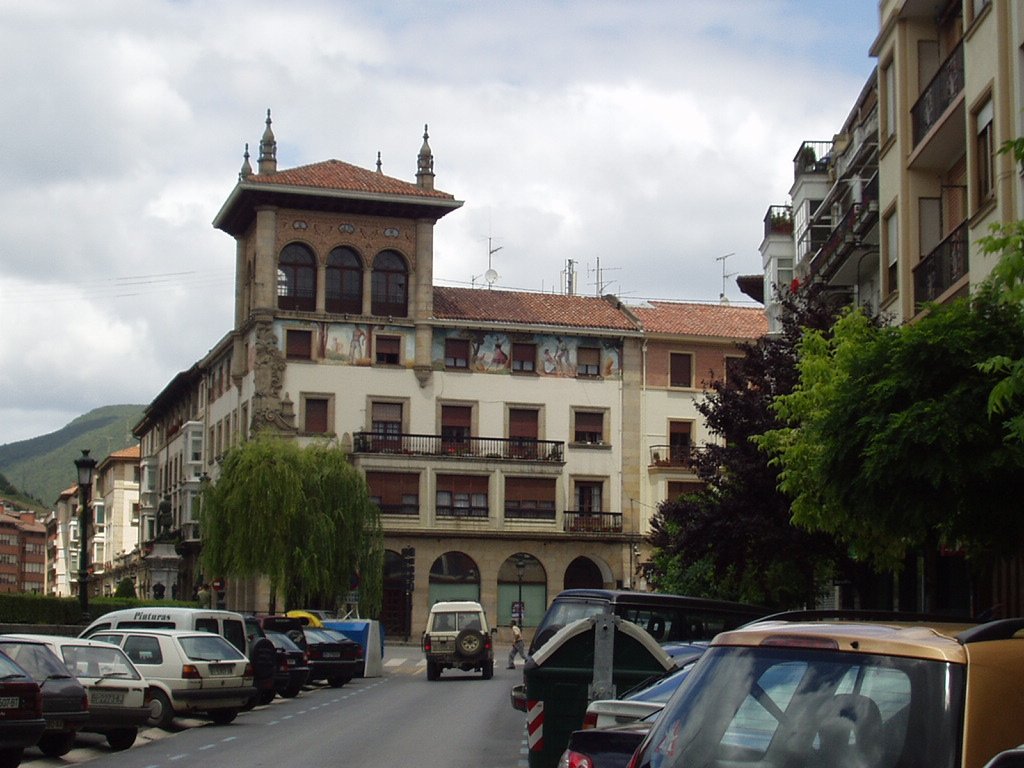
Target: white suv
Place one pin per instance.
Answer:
(457, 637)
(190, 672)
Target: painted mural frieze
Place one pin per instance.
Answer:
(268, 410)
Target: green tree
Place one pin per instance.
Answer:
(734, 538)
(1007, 396)
(301, 517)
(125, 588)
(888, 444)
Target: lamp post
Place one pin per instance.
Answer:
(85, 466)
(520, 572)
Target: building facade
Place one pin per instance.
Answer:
(516, 443)
(22, 551)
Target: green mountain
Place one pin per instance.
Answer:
(42, 467)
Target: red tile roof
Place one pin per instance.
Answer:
(334, 174)
(521, 307)
(717, 320)
(131, 452)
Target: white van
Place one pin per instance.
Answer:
(227, 624)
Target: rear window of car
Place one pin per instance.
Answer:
(93, 661)
(8, 668)
(36, 659)
(782, 706)
(209, 648)
(455, 621)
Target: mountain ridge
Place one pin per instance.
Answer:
(43, 467)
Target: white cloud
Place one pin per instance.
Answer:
(651, 135)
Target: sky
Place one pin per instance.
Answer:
(641, 139)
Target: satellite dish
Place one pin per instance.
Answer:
(490, 276)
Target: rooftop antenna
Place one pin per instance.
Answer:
(600, 283)
(722, 298)
(491, 275)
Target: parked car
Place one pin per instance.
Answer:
(637, 703)
(846, 692)
(264, 658)
(119, 696)
(610, 747)
(65, 702)
(292, 667)
(331, 656)
(21, 712)
(457, 637)
(190, 672)
(228, 624)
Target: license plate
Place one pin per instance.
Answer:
(332, 655)
(221, 670)
(115, 698)
(55, 725)
(9, 702)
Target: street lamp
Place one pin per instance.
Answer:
(85, 466)
(520, 572)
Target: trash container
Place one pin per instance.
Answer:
(586, 660)
(367, 633)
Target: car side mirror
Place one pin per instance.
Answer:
(1011, 758)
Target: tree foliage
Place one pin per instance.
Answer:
(734, 539)
(301, 517)
(887, 442)
(1007, 396)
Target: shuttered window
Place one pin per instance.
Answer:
(680, 370)
(530, 498)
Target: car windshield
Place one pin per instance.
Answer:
(785, 706)
(209, 648)
(660, 690)
(36, 659)
(94, 661)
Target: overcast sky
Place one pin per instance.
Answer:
(649, 136)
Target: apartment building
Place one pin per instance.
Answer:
(516, 443)
(22, 551)
(950, 94)
(62, 543)
(114, 532)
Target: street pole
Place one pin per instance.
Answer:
(85, 466)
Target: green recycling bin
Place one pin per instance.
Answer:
(590, 659)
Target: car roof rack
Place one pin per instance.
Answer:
(1000, 629)
(849, 614)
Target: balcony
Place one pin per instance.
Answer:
(593, 522)
(778, 221)
(939, 94)
(812, 157)
(942, 268)
(674, 456)
(508, 449)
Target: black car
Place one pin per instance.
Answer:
(65, 701)
(605, 747)
(21, 712)
(331, 656)
(292, 668)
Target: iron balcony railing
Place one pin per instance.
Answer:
(593, 522)
(941, 268)
(674, 456)
(778, 220)
(938, 94)
(514, 448)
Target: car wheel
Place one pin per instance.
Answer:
(265, 697)
(488, 670)
(433, 671)
(161, 713)
(469, 643)
(10, 758)
(56, 744)
(122, 738)
(291, 691)
(337, 681)
(223, 716)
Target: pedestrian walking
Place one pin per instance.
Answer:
(517, 645)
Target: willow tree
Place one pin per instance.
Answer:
(300, 517)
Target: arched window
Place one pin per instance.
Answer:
(454, 576)
(344, 282)
(390, 286)
(296, 278)
(522, 590)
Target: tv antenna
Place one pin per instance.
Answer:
(725, 276)
(491, 275)
(601, 283)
